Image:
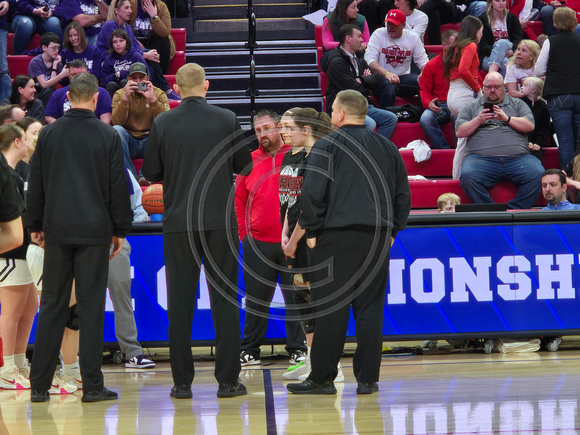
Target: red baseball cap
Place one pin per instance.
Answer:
(396, 17)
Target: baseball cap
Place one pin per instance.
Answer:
(395, 16)
(137, 67)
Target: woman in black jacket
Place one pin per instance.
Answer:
(23, 94)
(501, 35)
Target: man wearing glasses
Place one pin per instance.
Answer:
(496, 127)
(46, 69)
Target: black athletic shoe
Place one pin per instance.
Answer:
(231, 390)
(39, 396)
(367, 388)
(310, 387)
(99, 395)
(181, 392)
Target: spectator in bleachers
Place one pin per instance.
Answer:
(119, 15)
(375, 12)
(554, 189)
(524, 10)
(439, 12)
(90, 14)
(434, 88)
(33, 16)
(76, 46)
(151, 22)
(347, 71)
(23, 94)
(475, 7)
(446, 203)
(541, 39)
(416, 21)
(345, 12)
(133, 114)
(532, 95)
(547, 15)
(572, 171)
(502, 33)
(47, 69)
(521, 65)
(461, 65)
(497, 146)
(59, 102)
(10, 113)
(561, 66)
(390, 53)
(115, 67)
(5, 79)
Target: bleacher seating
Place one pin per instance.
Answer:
(18, 64)
(180, 38)
(34, 42)
(177, 62)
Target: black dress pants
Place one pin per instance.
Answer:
(263, 263)
(357, 276)
(88, 265)
(182, 267)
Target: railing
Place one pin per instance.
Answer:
(252, 91)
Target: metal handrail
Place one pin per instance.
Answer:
(252, 90)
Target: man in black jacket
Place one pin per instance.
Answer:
(194, 149)
(347, 71)
(77, 206)
(355, 198)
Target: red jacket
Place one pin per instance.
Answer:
(433, 84)
(257, 202)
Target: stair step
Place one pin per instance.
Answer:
(282, 44)
(242, 81)
(241, 25)
(218, 3)
(263, 57)
(241, 107)
(201, 12)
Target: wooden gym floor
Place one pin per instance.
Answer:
(463, 392)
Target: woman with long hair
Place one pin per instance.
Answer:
(120, 12)
(17, 290)
(502, 33)
(301, 128)
(461, 65)
(23, 94)
(521, 66)
(76, 46)
(345, 12)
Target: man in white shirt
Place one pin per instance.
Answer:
(390, 52)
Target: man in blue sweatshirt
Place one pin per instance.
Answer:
(554, 190)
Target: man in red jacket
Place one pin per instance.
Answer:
(258, 212)
(434, 88)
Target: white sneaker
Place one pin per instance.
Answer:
(297, 371)
(25, 371)
(339, 376)
(59, 386)
(75, 380)
(13, 380)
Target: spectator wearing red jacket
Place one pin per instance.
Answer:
(258, 213)
(434, 87)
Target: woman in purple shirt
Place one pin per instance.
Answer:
(76, 46)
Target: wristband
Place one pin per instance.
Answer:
(508, 120)
(387, 73)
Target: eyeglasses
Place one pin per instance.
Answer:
(54, 47)
(493, 88)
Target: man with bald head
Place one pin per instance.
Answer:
(496, 127)
(194, 149)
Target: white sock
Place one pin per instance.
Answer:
(8, 364)
(70, 369)
(20, 360)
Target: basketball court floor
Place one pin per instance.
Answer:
(463, 392)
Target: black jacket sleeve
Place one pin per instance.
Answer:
(341, 74)
(514, 30)
(152, 168)
(120, 204)
(401, 197)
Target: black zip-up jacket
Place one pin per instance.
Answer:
(355, 179)
(195, 149)
(514, 29)
(77, 189)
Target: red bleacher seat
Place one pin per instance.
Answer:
(406, 132)
(323, 83)
(319, 55)
(450, 26)
(18, 64)
(439, 165)
(177, 62)
(180, 38)
(34, 42)
(137, 163)
(170, 79)
(173, 103)
(550, 158)
(318, 36)
(536, 27)
(435, 49)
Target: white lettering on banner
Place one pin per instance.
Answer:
(424, 413)
(563, 421)
(463, 277)
(476, 420)
(511, 270)
(162, 288)
(562, 275)
(428, 285)
(417, 271)
(202, 304)
(396, 294)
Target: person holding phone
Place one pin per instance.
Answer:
(134, 109)
(33, 16)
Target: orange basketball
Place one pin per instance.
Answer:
(152, 199)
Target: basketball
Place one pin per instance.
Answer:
(152, 199)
